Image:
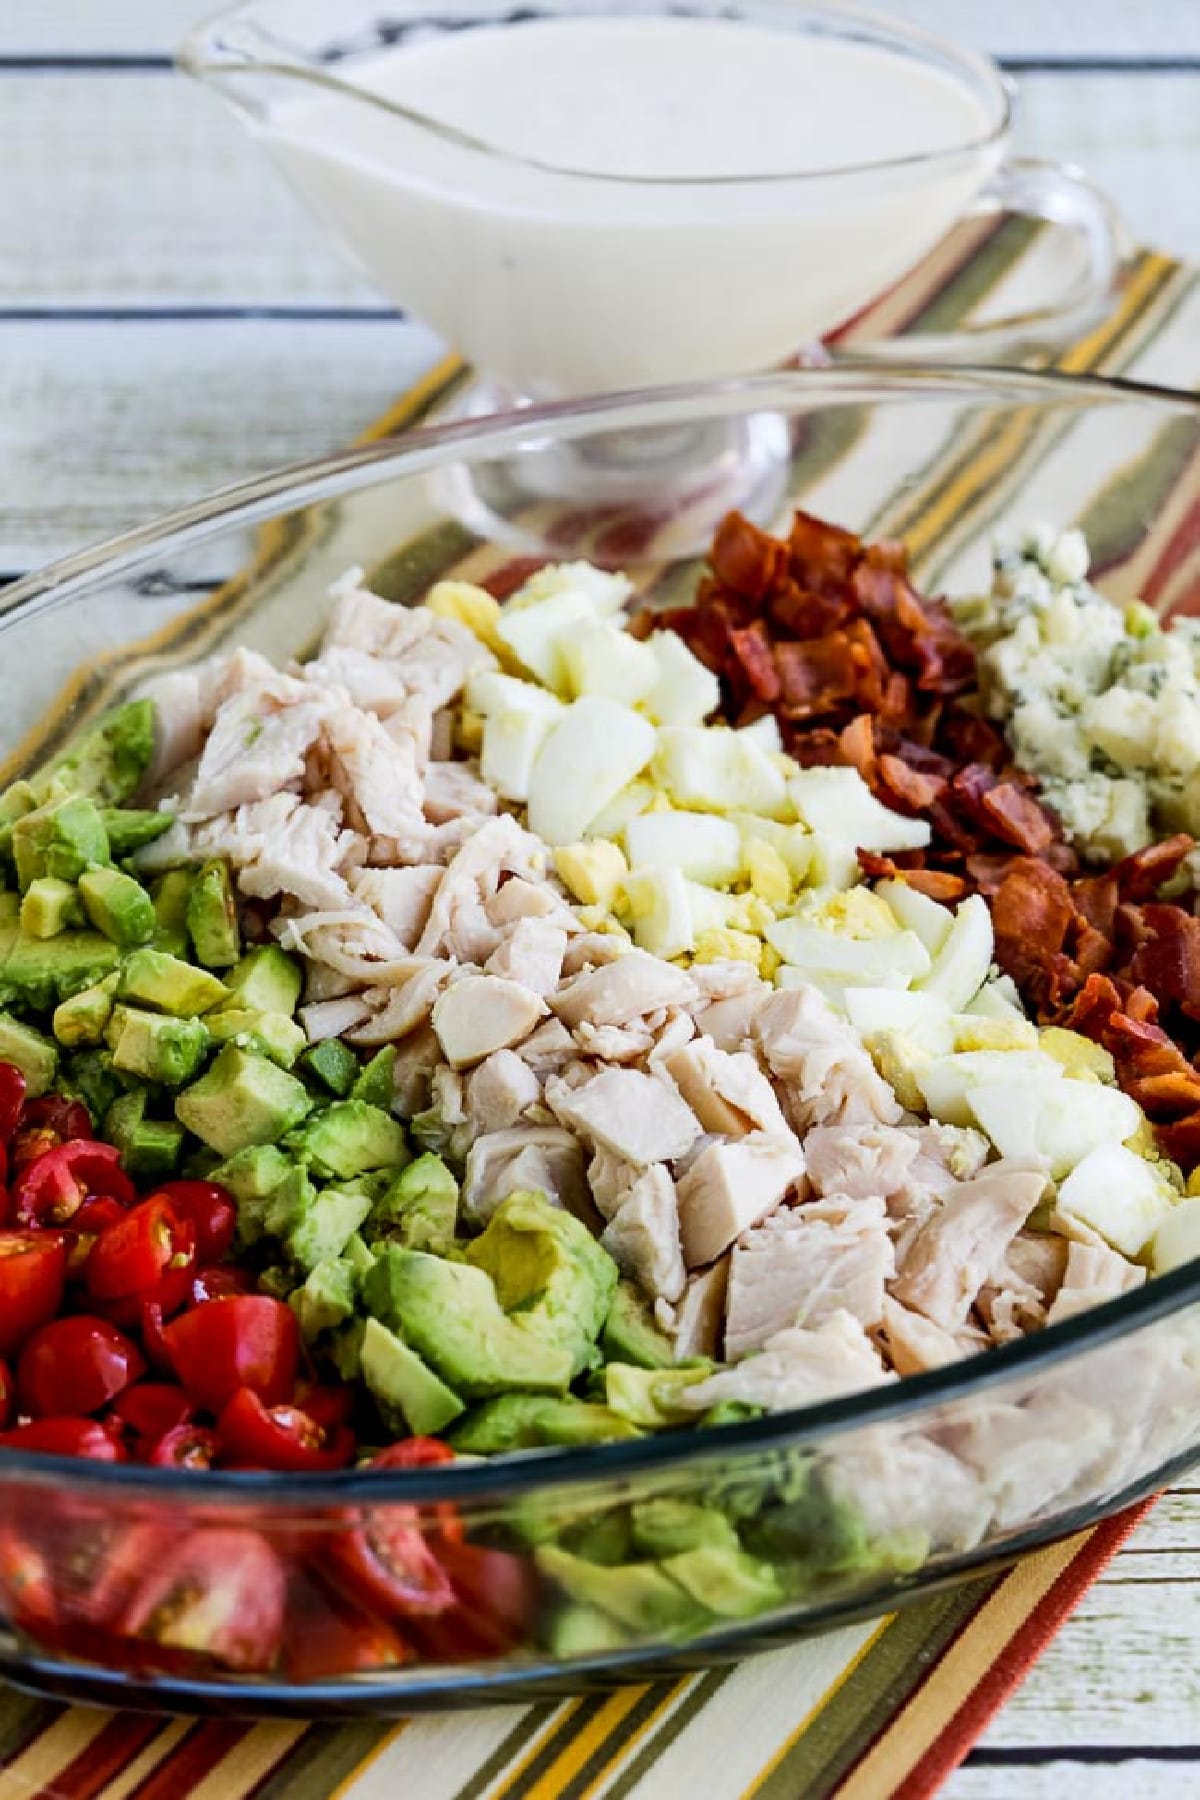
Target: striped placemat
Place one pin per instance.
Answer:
(871, 1712)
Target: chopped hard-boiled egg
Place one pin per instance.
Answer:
(660, 911)
(604, 591)
(537, 636)
(1120, 1195)
(858, 912)
(946, 1081)
(490, 693)
(791, 843)
(600, 658)
(705, 847)
(1054, 1123)
(1177, 1240)
(715, 770)
(961, 966)
(684, 691)
(511, 741)
(592, 872)
(917, 912)
(592, 751)
(635, 798)
(471, 606)
(838, 803)
(766, 871)
(868, 961)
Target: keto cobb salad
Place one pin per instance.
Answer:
(525, 1025)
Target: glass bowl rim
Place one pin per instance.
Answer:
(284, 490)
(841, 19)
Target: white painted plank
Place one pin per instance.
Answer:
(1007, 27)
(1136, 1779)
(104, 426)
(142, 189)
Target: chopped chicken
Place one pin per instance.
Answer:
(1033, 1455)
(630, 1113)
(727, 1093)
(376, 774)
(258, 745)
(594, 950)
(179, 721)
(642, 1236)
(452, 791)
(623, 991)
(1017, 1298)
(281, 846)
(482, 1013)
(374, 685)
(615, 1043)
(827, 1076)
(532, 954)
(433, 656)
(519, 898)
(964, 1240)
(701, 1312)
(897, 1484)
(728, 980)
(797, 1368)
(914, 1343)
(548, 1049)
(1093, 1275)
(401, 897)
(730, 1187)
(860, 1160)
(729, 1023)
(499, 1091)
(323, 1019)
(610, 1178)
(498, 846)
(417, 1057)
(402, 1009)
(804, 1263)
(517, 1160)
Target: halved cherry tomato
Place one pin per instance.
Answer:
(33, 1268)
(27, 1581)
(54, 1112)
(220, 1282)
(220, 1594)
(150, 1330)
(93, 1217)
(65, 1437)
(55, 1185)
(254, 1436)
(496, 1597)
(146, 1413)
(186, 1446)
(425, 1453)
(386, 1557)
(12, 1100)
(8, 1396)
(212, 1213)
(248, 1340)
(75, 1365)
(326, 1405)
(146, 1256)
(327, 1636)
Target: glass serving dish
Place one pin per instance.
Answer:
(271, 1594)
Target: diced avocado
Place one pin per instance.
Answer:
(129, 830)
(376, 1086)
(252, 1176)
(154, 1046)
(725, 1579)
(63, 839)
(33, 1054)
(165, 984)
(212, 917)
(118, 906)
(345, 1349)
(266, 979)
(326, 1300)
(630, 1334)
(326, 1226)
(577, 1631)
(405, 1389)
(84, 1018)
(603, 1538)
(109, 762)
(16, 800)
(49, 906)
(637, 1595)
(535, 1421)
(649, 1397)
(40, 971)
(359, 1257)
(277, 1281)
(547, 1266)
(450, 1314)
(267, 1034)
(170, 896)
(88, 1076)
(334, 1064)
(10, 911)
(149, 1147)
(348, 1137)
(668, 1527)
(287, 1206)
(243, 1099)
(419, 1209)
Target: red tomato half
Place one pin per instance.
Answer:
(26, 1581)
(146, 1257)
(147, 1412)
(75, 1365)
(386, 1557)
(254, 1436)
(55, 1185)
(12, 1100)
(210, 1209)
(219, 1594)
(187, 1446)
(93, 1217)
(248, 1340)
(496, 1604)
(221, 1281)
(54, 1112)
(327, 1636)
(65, 1437)
(33, 1268)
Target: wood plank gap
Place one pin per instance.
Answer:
(64, 63)
(152, 314)
(1027, 1755)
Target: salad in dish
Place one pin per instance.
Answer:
(532, 1022)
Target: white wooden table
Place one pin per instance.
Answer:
(170, 320)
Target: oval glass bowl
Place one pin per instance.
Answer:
(842, 1510)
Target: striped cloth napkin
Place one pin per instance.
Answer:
(876, 1711)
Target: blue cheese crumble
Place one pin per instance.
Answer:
(1097, 700)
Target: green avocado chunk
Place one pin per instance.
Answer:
(376, 1086)
(155, 1046)
(118, 906)
(267, 1034)
(668, 1527)
(33, 1054)
(630, 1334)
(49, 906)
(577, 1631)
(62, 839)
(419, 1209)
(334, 1064)
(129, 830)
(267, 979)
(212, 917)
(638, 1596)
(242, 1100)
(326, 1300)
(150, 1148)
(407, 1392)
(451, 1316)
(252, 1176)
(40, 971)
(347, 1138)
(165, 984)
(725, 1579)
(534, 1422)
(323, 1229)
(88, 1076)
(84, 1018)
(649, 1397)
(107, 763)
(547, 1266)
(170, 896)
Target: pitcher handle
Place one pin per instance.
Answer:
(1059, 194)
